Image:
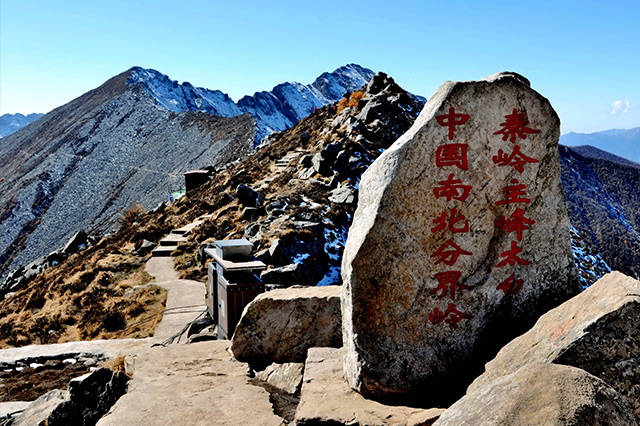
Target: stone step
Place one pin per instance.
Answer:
(162, 251)
(173, 240)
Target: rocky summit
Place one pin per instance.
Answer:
(459, 242)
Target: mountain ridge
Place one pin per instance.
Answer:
(624, 143)
(275, 110)
(11, 123)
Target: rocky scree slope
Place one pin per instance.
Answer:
(294, 198)
(276, 110)
(603, 198)
(84, 163)
(11, 123)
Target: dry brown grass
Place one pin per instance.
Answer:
(350, 100)
(132, 215)
(116, 364)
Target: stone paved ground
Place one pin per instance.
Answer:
(196, 384)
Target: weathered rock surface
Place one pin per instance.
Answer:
(326, 398)
(198, 384)
(281, 325)
(89, 398)
(406, 328)
(286, 377)
(542, 394)
(40, 410)
(598, 331)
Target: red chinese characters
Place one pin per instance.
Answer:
(516, 159)
(448, 253)
(452, 120)
(515, 125)
(514, 193)
(452, 154)
(452, 189)
(451, 316)
(511, 285)
(452, 220)
(449, 282)
(511, 256)
(517, 223)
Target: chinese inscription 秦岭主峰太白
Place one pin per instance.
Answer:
(452, 220)
(514, 127)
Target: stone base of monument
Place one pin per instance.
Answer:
(326, 398)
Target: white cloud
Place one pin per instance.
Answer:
(620, 106)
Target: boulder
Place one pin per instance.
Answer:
(597, 331)
(145, 248)
(459, 243)
(40, 409)
(90, 397)
(286, 377)
(344, 194)
(288, 274)
(280, 325)
(250, 214)
(249, 197)
(542, 394)
(75, 242)
(326, 398)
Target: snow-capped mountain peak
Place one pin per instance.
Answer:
(277, 110)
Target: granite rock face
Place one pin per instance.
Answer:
(597, 331)
(459, 242)
(281, 325)
(542, 394)
(287, 377)
(326, 399)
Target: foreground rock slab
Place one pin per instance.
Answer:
(326, 398)
(197, 384)
(281, 325)
(459, 242)
(287, 377)
(597, 331)
(542, 394)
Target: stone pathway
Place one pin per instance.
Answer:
(196, 384)
(185, 298)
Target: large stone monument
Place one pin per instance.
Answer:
(460, 241)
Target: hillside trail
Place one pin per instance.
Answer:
(185, 298)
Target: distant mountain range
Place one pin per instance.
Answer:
(276, 110)
(10, 123)
(622, 143)
(128, 142)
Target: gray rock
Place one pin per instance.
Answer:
(344, 194)
(288, 274)
(287, 377)
(249, 197)
(542, 394)
(40, 410)
(430, 293)
(74, 243)
(90, 397)
(250, 214)
(275, 205)
(277, 254)
(321, 165)
(598, 331)
(145, 248)
(280, 325)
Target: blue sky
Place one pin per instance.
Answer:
(582, 55)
